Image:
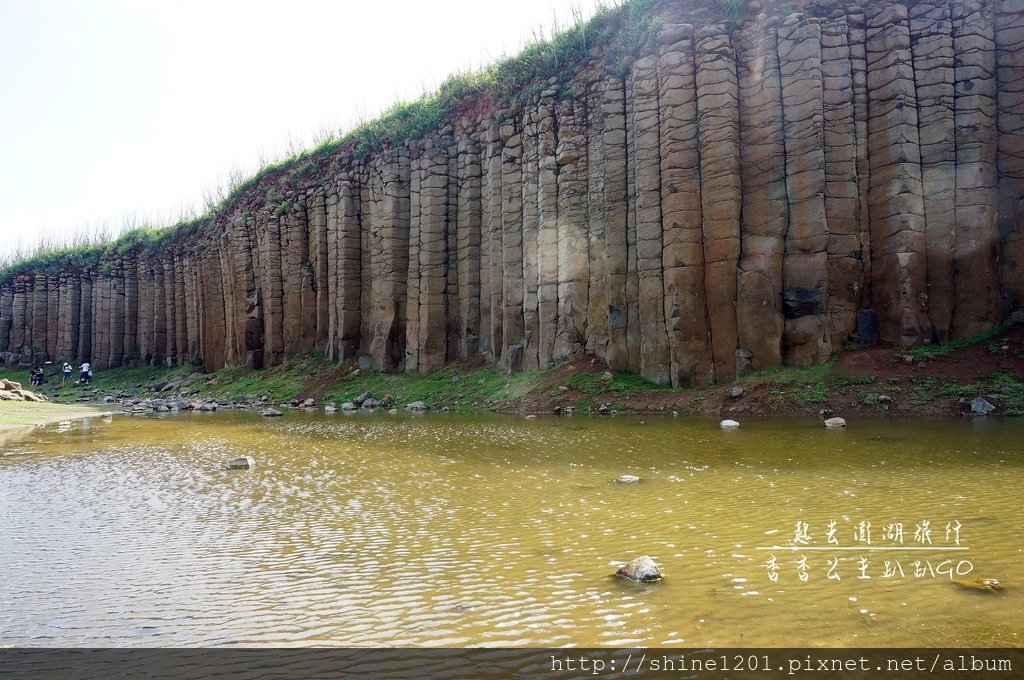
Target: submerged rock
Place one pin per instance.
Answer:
(833, 423)
(729, 425)
(627, 479)
(270, 412)
(641, 570)
(985, 584)
(243, 463)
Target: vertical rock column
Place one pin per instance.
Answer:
(130, 348)
(856, 38)
(547, 228)
(932, 46)
(895, 202)
(469, 246)
(512, 243)
(37, 336)
(268, 231)
(531, 251)
(613, 143)
(977, 303)
(718, 129)
(294, 255)
(806, 339)
(646, 153)
(432, 257)
(765, 211)
(390, 243)
(597, 298)
(418, 165)
(52, 301)
(6, 317)
(1009, 39)
(349, 270)
(573, 245)
(316, 207)
(181, 331)
(842, 202)
(84, 352)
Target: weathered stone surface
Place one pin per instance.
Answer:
(731, 197)
(833, 423)
(642, 570)
(243, 463)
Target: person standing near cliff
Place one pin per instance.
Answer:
(86, 375)
(65, 373)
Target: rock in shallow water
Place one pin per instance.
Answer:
(627, 479)
(642, 570)
(833, 423)
(243, 463)
(270, 412)
(729, 425)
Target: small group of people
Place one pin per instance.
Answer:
(36, 377)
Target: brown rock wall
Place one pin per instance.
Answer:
(725, 197)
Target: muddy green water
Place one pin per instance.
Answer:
(452, 531)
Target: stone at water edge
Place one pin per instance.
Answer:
(370, 404)
(833, 423)
(641, 570)
(270, 412)
(309, 403)
(729, 425)
(627, 479)
(365, 396)
(348, 406)
(329, 408)
(243, 463)
(416, 406)
(981, 406)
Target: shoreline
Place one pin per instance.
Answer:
(18, 418)
(879, 380)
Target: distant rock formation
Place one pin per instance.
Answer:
(727, 199)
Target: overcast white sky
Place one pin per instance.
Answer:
(114, 110)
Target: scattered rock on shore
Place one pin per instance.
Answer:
(981, 406)
(416, 406)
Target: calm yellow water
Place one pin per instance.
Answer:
(454, 531)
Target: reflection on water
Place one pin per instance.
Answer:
(455, 531)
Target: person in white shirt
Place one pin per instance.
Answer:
(86, 374)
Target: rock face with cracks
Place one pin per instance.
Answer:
(732, 196)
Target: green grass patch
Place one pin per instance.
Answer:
(593, 383)
(933, 351)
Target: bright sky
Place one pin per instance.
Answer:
(122, 110)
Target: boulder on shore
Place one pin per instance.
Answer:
(416, 406)
(641, 570)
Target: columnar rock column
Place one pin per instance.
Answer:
(805, 266)
(765, 205)
(977, 305)
(718, 129)
(932, 47)
(512, 243)
(1009, 40)
(573, 245)
(613, 142)
(469, 246)
(547, 228)
(898, 246)
(646, 154)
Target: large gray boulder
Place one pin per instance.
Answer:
(981, 406)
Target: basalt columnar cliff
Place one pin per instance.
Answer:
(727, 197)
